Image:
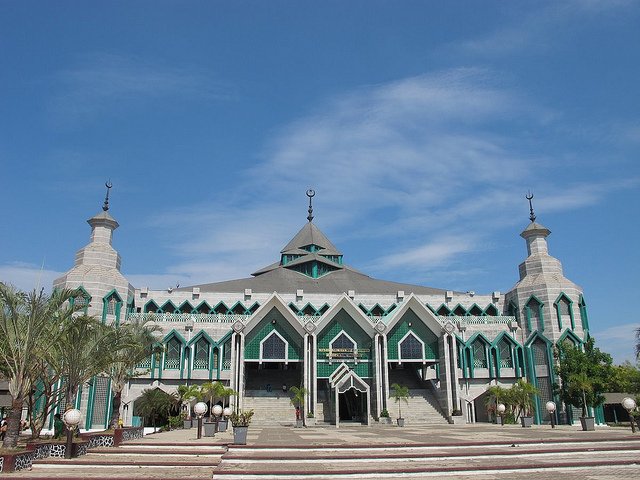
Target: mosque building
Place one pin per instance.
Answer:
(311, 320)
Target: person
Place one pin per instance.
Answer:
(284, 387)
(58, 426)
(268, 387)
(3, 428)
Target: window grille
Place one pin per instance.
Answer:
(342, 342)
(411, 348)
(274, 348)
(100, 395)
(539, 353)
(534, 313)
(506, 354)
(111, 305)
(215, 358)
(564, 308)
(172, 355)
(201, 357)
(226, 361)
(479, 355)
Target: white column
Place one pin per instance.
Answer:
(305, 372)
(314, 373)
(378, 373)
(234, 369)
(447, 371)
(385, 370)
(241, 369)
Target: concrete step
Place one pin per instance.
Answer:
(359, 461)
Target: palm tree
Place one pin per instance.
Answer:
(638, 343)
(522, 393)
(297, 400)
(132, 343)
(186, 393)
(154, 402)
(29, 325)
(83, 350)
(400, 394)
(582, 383)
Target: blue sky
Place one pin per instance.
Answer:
(421, 126)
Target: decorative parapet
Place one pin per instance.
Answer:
(127, 433)
(12, 462)
(188, 317)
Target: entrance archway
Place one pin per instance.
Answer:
(352, 407)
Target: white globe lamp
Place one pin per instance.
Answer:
(226, 412)
(71, 419)
(217, 410)
(629, 405)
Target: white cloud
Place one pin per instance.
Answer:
(27, 277)
(619, 340)
(108, 82)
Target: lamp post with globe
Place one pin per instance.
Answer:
(71, 419)
(225, 414)
(551, 408)
(630, 404)
(217, 411)
(200, 408)
(500, 408)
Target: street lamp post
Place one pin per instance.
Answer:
(200, 408)
(217, 411)
(226, 413)
(551, 408)
(630, 404)
(71, 419)
(500, 408)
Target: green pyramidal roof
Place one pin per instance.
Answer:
(310, 235)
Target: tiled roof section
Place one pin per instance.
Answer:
(310, 235)
(535, 228)
(282, 280)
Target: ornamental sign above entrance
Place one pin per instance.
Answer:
(344, 353)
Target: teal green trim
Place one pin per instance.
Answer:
(494, 311)
(487, 351)
(514, 352)
(222, 308)
(109, 407)
(570, 335)
(188, 309)
(459, 311)
(431, 308)
(164, 309)
(556, 304)
(105, 302)
(90, 402)
(475, 310)
(146, 307)
(527, 309)
(538, 414)
(199, 335)
(443, 310)
(583, 316)
(199, 308)
(242, 309)
(81, 293)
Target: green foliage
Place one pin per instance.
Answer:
(384, 413)
(241, 419)
(214, 391)
(625, 378)
(175, 422)
(400, 394)
(154, 403)
(298, 396)
(584, 374)
(521, 396)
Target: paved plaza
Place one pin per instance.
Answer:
(448, 452)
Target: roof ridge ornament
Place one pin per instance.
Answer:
(532, 216)
(107, 184)
(310, 193)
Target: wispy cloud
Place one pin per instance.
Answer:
(26, 276)
(113, 83)
(619, 340)
(424, 160)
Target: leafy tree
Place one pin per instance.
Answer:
(44, 395)
(584, 374)
(29, 326)
(186, 393)
(495, 395)
(154, 403)
(400, 394)
(132, 343)
(297, 400)
(625, 378)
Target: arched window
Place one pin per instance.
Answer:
(491, 311)
(274, 347)
(539, 352)
(111, 305)
(563, 311)
(411, 348)
(172, 354)
(201, 355)
(506, 354)
(479, 354)
(226, 359)
(475, 310)
(342, 342)
(534, 314)
(459, 311)
(444, 310)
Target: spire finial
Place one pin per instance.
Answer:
(532, 216)
(107, 184)
(310, 193)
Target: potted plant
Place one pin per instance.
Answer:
(240, 421)
(311, 419)
(457, 418)
(384, 417)
(581, 383)
(186, 393)
(400, 394)
(522, 396)
(297, 400)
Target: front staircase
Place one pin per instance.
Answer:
(270, 408)
(422, 407)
